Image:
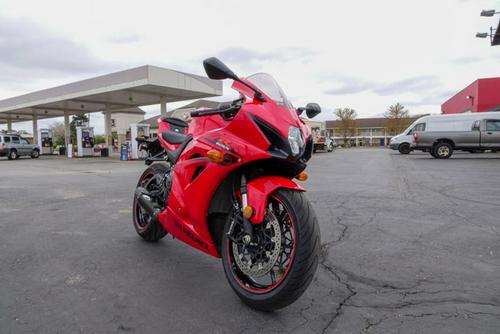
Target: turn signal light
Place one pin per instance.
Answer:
(248, 212)
(215, 156)
(302, 176)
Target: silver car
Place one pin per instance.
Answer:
(13, 146)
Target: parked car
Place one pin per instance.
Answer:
(440, 135)
(13, 146)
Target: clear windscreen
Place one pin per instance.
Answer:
(270, 87)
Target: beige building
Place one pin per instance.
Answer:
(319, 125)
(120, 123)
(367, 132)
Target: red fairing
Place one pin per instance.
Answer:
(196, 180)
(258, 191)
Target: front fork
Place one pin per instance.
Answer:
(247, 225)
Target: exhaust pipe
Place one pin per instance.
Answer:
(146, 203)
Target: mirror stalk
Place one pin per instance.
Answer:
(258, 93)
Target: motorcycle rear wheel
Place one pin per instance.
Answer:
(293, 275)
(147, 228)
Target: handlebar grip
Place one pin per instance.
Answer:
(207, 112)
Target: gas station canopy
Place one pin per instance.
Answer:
(141, 86)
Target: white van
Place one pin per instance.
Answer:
(404, 140)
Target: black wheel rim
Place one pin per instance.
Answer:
(281, 267)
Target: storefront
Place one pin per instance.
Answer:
(480, 96)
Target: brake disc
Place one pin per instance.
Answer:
(260, 268)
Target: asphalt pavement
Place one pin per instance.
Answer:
(409, 244)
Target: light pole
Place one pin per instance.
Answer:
(491, 35)
(485, 34)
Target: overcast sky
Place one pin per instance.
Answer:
(365, 55)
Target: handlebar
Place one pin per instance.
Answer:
(207, 112)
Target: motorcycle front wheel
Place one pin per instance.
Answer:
(275, 269)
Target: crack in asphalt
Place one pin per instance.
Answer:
(338, 310)
(336, 271)
(408, 295)
(443, 315)
(331, 269)
(403, 305)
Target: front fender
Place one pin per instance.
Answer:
(259, 189)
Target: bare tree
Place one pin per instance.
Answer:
(397, 119)
(347, 118)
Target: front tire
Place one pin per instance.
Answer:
(149, 229)
(294, 269)
(404, 148)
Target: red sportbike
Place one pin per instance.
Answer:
(226, 188)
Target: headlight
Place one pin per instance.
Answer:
(295, 140)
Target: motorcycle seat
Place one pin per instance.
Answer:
(176, 124)
(173, 137)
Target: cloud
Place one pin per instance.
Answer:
(250, 58)
(466, 60)
(431, 99)
(410, 85)
(29, 47)
(350, 86)
(416, 84)
(124, 39)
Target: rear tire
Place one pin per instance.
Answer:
(404, 148)
(149, 229)
(443, 150)
(13, 155)
(35, 154)
(300, 269)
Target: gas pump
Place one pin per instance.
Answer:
(138, 130)
(84, 141)
(45, 141)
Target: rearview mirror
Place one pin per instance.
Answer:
(312, 109)
(217, 70)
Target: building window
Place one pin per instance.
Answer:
(113, 123)
(364, 132)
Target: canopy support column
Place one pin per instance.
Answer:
(9, 125)
(163, 106)
(35, 127)
(67, 135)
(107, 126)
